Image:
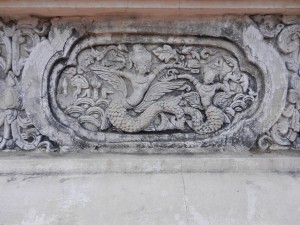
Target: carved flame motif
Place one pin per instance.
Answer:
(140, 87)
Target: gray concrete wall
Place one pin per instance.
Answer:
(217, 189)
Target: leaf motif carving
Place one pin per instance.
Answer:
(186, 50)
(166, 53)
(2, 118)
(292, 66)
(292, 96)
(189, 51)
(195, 55)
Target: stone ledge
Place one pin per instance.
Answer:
(148, 7)
(60, 164)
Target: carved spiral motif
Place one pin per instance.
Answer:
(288, 39)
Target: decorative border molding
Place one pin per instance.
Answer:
(284, 33)
(146, 8)
(30, 48)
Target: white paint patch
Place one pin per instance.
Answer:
(197, 218)
(74, 196)
(164, 194)
(179, 219)
(33, 218)
(251, 203)
(153, 167)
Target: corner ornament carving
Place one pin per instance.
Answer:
(17, 39)
(284, 134)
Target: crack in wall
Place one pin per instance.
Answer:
(184, 196)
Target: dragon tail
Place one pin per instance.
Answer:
(215, 119)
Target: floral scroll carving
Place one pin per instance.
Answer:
(286, 36)
(17, 39)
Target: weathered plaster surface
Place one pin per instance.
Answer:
(151, 77)
(185, 199)
(195, 85)
(233, 189)
(149, 8)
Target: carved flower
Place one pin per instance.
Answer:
(80, 82)
(294, 91)
(269, 25)
(293, 66)
(166, 53)
(2, 118)
(190, 52)
(294, 97)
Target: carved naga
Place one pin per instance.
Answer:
(135, 111)
(117, 109)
